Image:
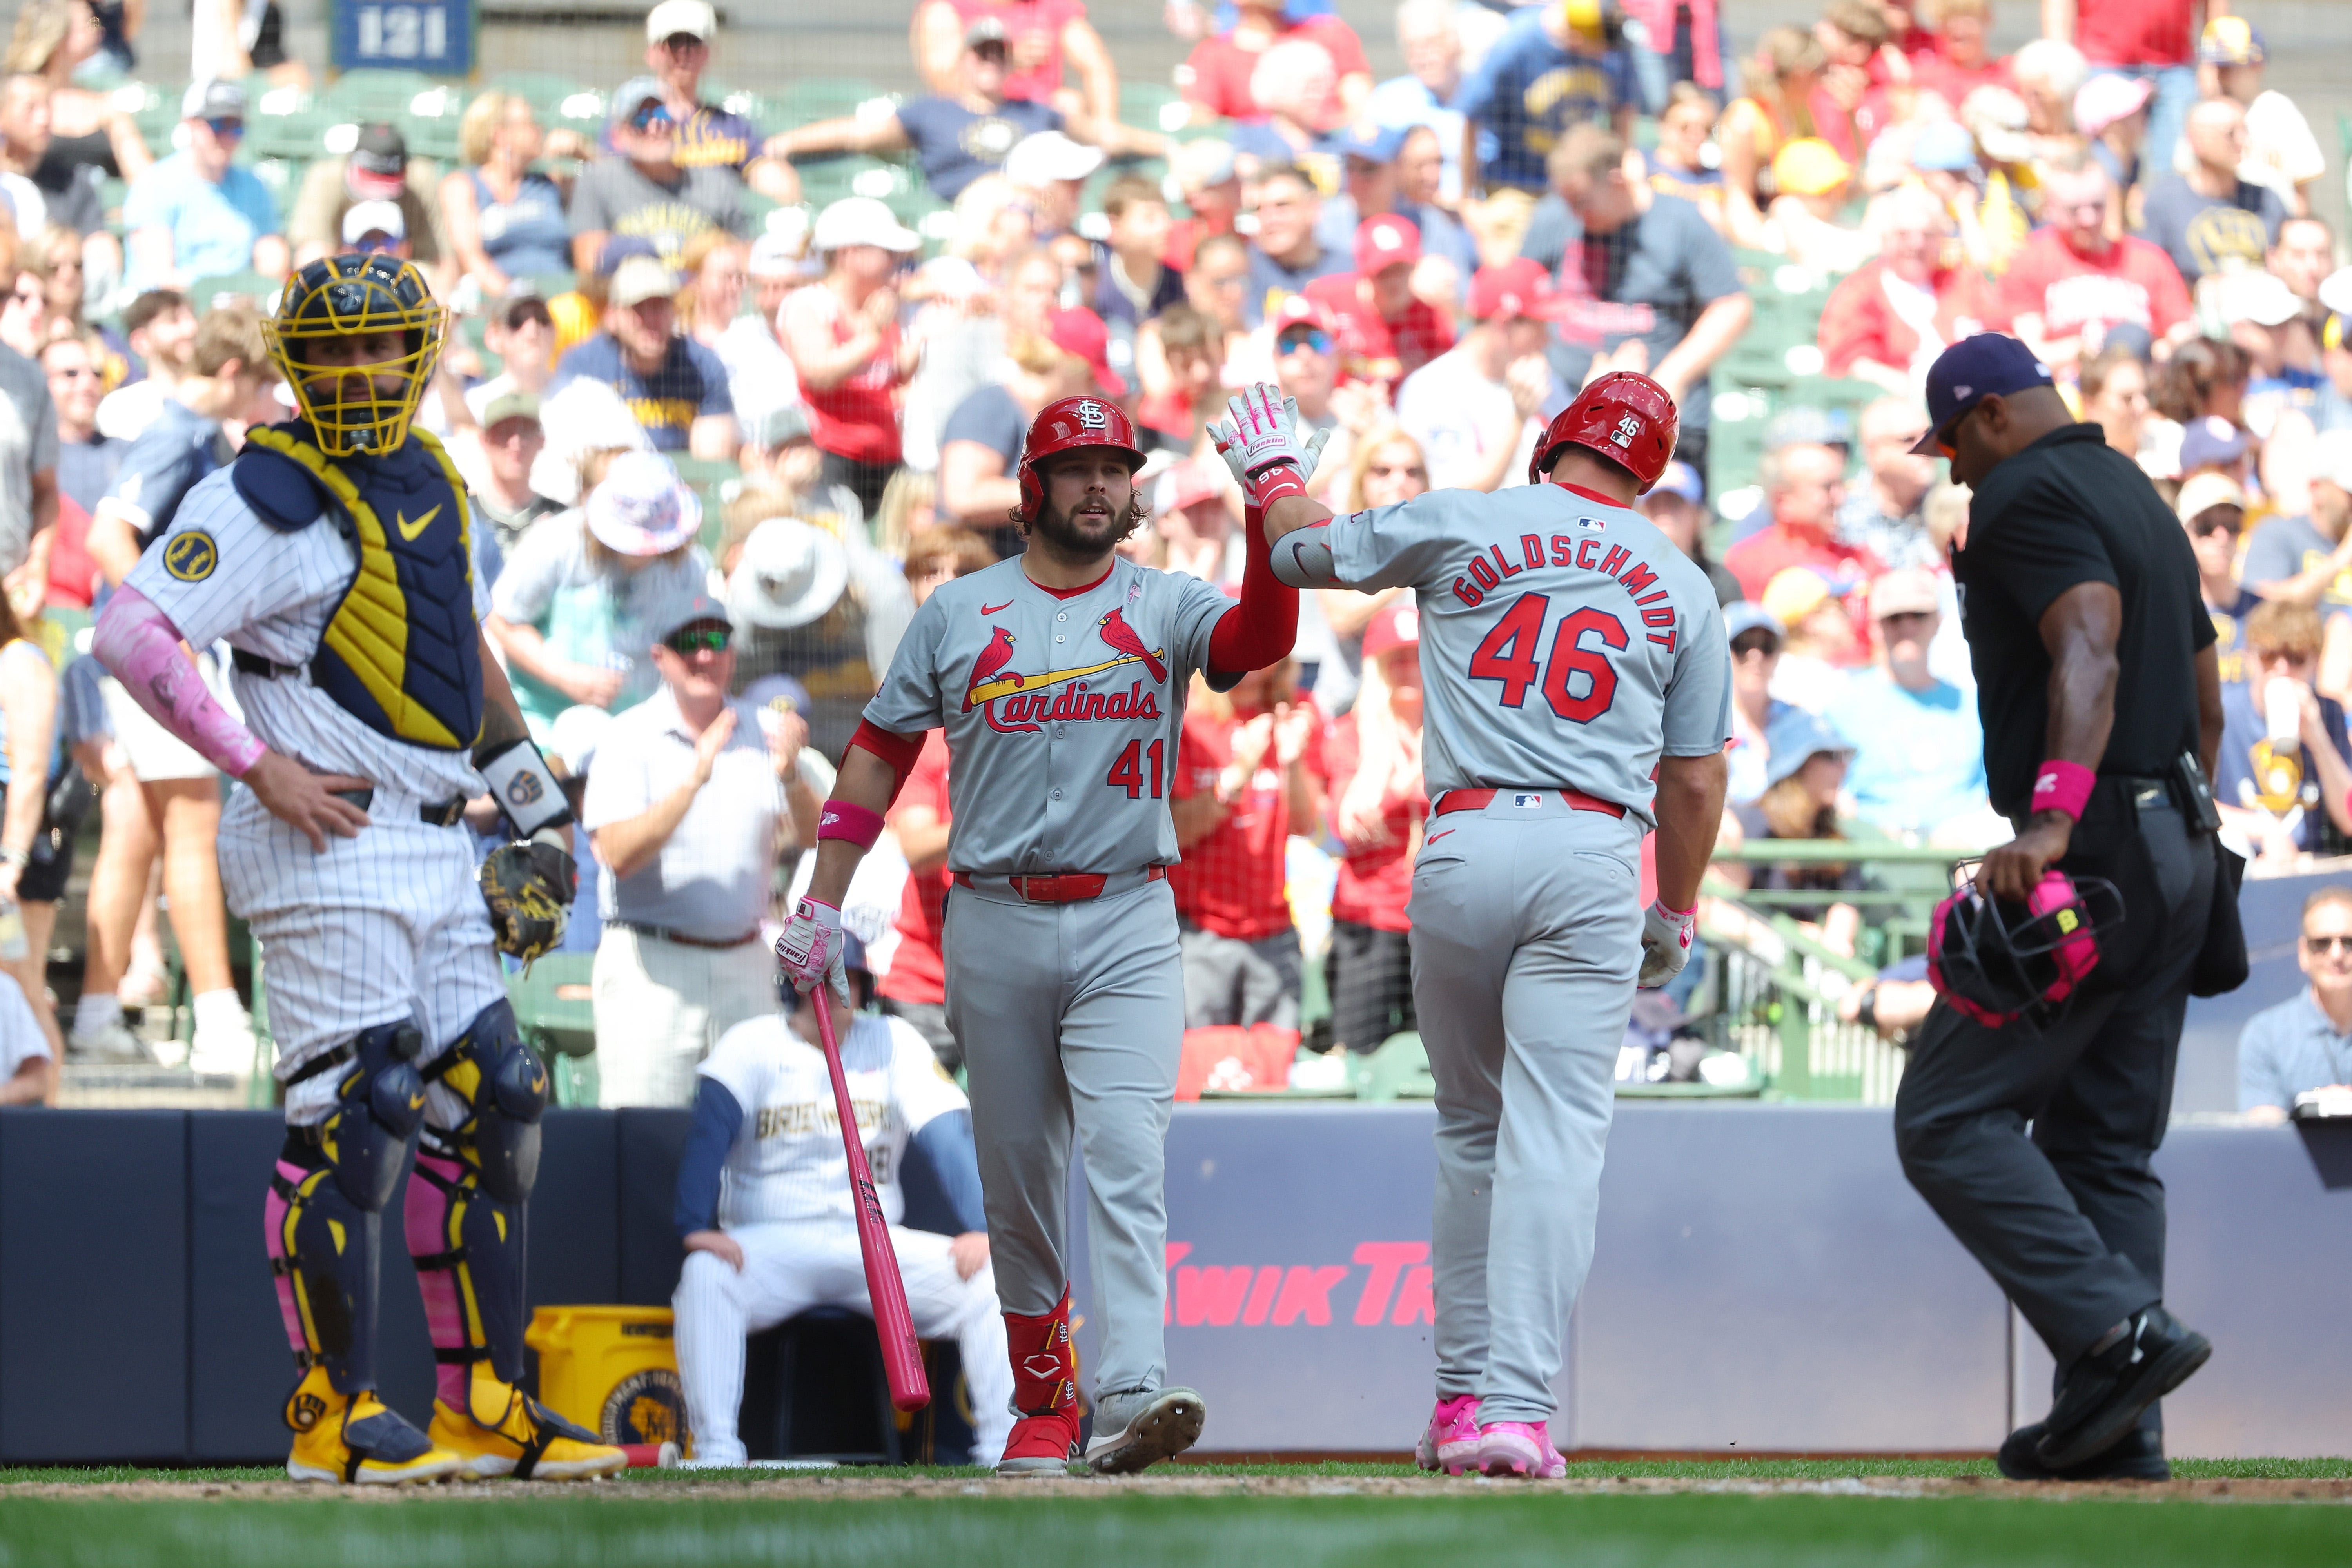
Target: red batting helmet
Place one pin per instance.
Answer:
(1063, 426)
(1625, 416)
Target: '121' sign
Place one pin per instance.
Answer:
(436, 37)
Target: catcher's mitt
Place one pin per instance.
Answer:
(527, 885)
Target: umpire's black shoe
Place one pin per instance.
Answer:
(2104, 1394)
(2138, 1457)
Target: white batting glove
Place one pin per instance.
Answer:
(1665, 942)
(810, 948)
(1261, 439)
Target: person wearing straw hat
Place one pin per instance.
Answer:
(572, 608)
(827, 612)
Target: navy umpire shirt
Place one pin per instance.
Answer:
(2067, 510)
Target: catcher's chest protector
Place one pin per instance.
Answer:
(403, 652)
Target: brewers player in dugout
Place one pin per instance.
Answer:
(332, 556)
(1576, 692)
(1059, 677)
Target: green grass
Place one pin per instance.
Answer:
(1682, 1530)
(1582, 1469)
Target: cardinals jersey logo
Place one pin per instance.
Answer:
(1091, 415)
(1017, 702)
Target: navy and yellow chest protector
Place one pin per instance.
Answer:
(403, 652)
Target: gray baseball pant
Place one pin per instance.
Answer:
(1072, 1020)
(1527, 935)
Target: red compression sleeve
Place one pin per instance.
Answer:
(1261, 630)
(898, 752)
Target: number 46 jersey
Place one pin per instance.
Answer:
(1564, 640)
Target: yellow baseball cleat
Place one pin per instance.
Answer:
(355, 1440)
(505, 1432)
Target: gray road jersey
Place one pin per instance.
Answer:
(1564, 639)
(1062, 714)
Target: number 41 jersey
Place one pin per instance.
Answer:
(1062, 712)
(1564, 640)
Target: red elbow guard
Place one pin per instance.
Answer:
(898, 752)
(1260, 630)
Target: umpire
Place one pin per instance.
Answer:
(2102, 711)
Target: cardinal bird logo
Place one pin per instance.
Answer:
(1120, 635)
(993, 658)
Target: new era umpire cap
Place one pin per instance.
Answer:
(1988, 364)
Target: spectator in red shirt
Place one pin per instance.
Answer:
(1216, 78)
(1892, 315)
(1955, 62)
(843, 337)
(1043, 39)
(1804, 484)
(2071, 283)
(1385, 332)
(1249, 774)
(1184, 351)
(2155, 40)
(915, 988)
(1374, 755)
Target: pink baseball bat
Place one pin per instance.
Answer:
(902, 1357)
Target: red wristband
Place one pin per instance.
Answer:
(1269, 485)
(850, 823)
(2063, 786)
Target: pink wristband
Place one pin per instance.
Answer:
(2063, 786)
(1269, 485)
(850, 823)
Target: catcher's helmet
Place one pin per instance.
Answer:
(1625, 416)
(345, 296)
(1063, 426)
(1997, 963)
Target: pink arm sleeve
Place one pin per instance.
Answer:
(138, 642)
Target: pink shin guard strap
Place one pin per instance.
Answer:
(425, 1224)
(273, 1226)
(139, 643)
(2064, 786)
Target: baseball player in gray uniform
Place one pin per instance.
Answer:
(1059, 678)
(1578, 693)
(334, 557)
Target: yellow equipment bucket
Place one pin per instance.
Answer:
(613, 1370)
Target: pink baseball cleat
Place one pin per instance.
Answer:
(1452, 1434)
(1513, 1449)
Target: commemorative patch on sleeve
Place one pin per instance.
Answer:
(191, 556)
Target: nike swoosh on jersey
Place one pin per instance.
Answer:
(411, 530)
(992, 609)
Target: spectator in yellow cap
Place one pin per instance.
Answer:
(2281, 151)
(1813, 182)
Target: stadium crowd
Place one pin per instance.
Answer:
(724, 440)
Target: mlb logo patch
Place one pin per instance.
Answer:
(1592, 524)
(1527, 802)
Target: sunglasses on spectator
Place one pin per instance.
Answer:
(2282, 655)
(376, 242)
(1395, 470)
(1747, 645)
(2328, 944)
(1292, 339)
(650, 119)
(684, 44)
(2207, 525)
(697, 639)
(228, 128)
(1893, 615)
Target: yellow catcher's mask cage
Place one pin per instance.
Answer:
(350, 296)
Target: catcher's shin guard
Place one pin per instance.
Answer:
(1045, 1440)
(321, 1216)
(466, 1215)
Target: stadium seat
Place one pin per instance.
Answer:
(206, 293)
(375, 94)
(1398, 1070)
(554, 1006)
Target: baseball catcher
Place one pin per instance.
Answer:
(332, 556)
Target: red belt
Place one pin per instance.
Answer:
(1455, 800)
(1068, 887)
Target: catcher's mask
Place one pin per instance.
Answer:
(1998, 961)
(345, 296)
